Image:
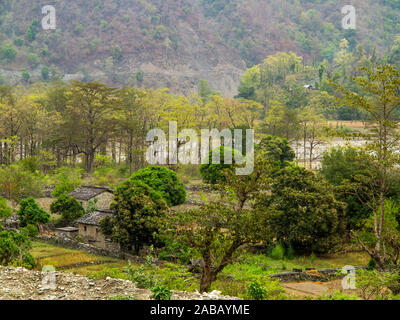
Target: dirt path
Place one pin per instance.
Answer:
(308, 288)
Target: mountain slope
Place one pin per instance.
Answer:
(174, 43)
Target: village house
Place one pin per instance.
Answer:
(85, 194)
(89, 230)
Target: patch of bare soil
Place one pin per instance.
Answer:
(23, 284)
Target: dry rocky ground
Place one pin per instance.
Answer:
(23, 284)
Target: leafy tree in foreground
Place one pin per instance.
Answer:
(69, 208)
(164, 181)
(216, 230)
(29, 212)
(302, 211)
(341, 167)
(380, 99)
(138, 216)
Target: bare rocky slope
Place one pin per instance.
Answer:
(23, 284)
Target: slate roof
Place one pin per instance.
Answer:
(94, 218)
(88, 192)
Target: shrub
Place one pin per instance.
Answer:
(67, 180)
(164, 181)
(161, 293)
(69, 208)
(140, 277)
(30, 213)
(371, 265)
(31, 230)
(214, 173)
(8, 52)
(256, 291)
(5, 209)
(277, 252)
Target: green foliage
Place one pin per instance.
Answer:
(302, 211)
(175, 250)
(92, 206)
(69, 208)
(163, 181)
(371, 265)
(26, 76)
(375, 284)
(142, 279)
(342, 167)
(5, 209)
(337, 295)
(277, 252)
(45, 73)
(31, 230)
(14, 249)
(256, 291)
(17, 183)
(161, 293)
(67, 180)
(29, 212)
(8, 52)
(276, 149)
(121, 297)
(139, 213)
(214, 173)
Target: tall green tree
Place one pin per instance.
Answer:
(380, 99)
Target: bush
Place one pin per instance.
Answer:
(31, 230)
(140, 277)
(67, 180)
(277, 252)
(214, 173)
(30, 213)
(5, 209)
(256, 291)
(69, 208)
(164, 181)
(161, 293)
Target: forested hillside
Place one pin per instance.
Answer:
(174, 44)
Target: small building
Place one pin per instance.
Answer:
(85, 194)
(69, 232)
(89, 229)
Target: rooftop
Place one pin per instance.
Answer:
(94, 217)
(88, 192)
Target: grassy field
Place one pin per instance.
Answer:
(233, 280)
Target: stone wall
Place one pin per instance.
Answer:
(311, 275)
(109, 251)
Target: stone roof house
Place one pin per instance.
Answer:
(89, 230)
(85, 194)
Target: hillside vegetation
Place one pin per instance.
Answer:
(174, 44)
